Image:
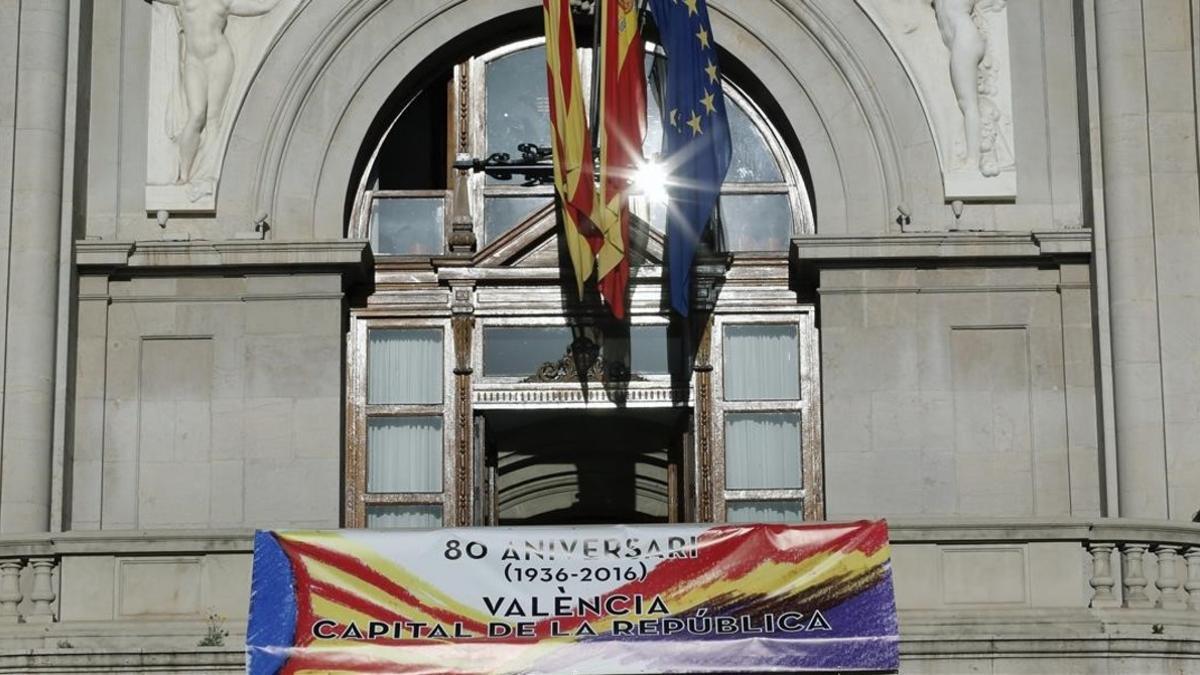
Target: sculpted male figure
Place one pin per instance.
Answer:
(206, 66)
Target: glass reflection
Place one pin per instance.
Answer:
(756, 222)
(518, 107)
(504, 213)
(407, 225)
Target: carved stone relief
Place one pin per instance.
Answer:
(203, 54)
(957, 54)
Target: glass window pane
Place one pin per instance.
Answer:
(658, 216)
(518, 106)
(502, 214)
(404, 454)
(413, 156)
(650, 350)
(791, 511)
(762, 362)
(762, 451)
(404, 365)
(519, 352)
(653, 142)
(753, 161)
(407, 225)
(756, 222)
(407, 516)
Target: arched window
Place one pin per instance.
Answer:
(403, 202)
(479, 415)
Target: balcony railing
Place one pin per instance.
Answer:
(159, 597)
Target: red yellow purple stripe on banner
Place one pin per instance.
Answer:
(598, 599)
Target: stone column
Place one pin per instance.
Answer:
(1133, 284)
(25, 447)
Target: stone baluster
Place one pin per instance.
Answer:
(1192, 585)
(1102, 576)
(10, 590)
(1135, 576)
(42, 594)
(1169, 595)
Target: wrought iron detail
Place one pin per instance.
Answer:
(583, 356)
(532, 164)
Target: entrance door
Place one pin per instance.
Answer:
(571, 467)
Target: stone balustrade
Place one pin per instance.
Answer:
(1145, 565)
(40, 606)
(964, 588)
(1127, 563)
(123, 576)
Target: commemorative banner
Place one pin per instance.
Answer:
(582, 600)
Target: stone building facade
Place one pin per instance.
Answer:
(955, 286)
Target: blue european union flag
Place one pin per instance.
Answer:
(697, 149)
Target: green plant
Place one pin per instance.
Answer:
(215, 633)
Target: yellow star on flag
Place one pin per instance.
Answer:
(703, 35)
(712, 71)
(691, 4)
(707, 100)
(674, 117)
(694, 123)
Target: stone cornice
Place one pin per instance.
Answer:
(922, 530)
(902, 530)
(940, 248)
(350, 256)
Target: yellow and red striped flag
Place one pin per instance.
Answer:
(622, 126)
(573, 170)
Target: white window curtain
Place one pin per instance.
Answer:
(764, 512)
(404, 454)
(762, 451)
(762, 362)
(404, 366)
(407, 516)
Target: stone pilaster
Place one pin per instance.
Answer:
(1129, 209)
(25, 448)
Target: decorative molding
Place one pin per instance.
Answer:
(569, 395)
(462, 327)
(956, 53)
(217, 52)
(463, 76)
(704, 420)
(583, 356)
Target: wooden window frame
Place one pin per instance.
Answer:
(359, 411)
(808, 406)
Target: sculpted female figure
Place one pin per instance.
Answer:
(967, 46)
(206, 66)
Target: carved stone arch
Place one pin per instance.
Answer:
(318, 92)
(831, 74)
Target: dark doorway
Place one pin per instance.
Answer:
(575, 467)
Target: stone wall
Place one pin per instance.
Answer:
(207, 398)
(956, 379)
